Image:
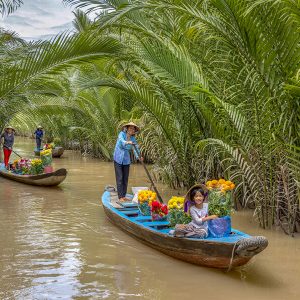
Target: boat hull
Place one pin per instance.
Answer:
(50, 179)
(56, 152)
(206, 253)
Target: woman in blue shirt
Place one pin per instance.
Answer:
(39, 133)
(122, 160)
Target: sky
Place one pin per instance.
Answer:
(39, 19)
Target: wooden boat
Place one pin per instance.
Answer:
(50, 179)
(56, 152)
(222, 253)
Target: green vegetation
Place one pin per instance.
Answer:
(215, 85)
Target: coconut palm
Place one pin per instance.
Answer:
(218, 80)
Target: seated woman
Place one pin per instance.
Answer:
(195, 206)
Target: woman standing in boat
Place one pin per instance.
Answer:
(8, 137)
(125, 143)
(39, 133)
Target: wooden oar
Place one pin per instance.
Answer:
(149, 176)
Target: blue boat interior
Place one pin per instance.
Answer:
(2, 167)
(131, 212)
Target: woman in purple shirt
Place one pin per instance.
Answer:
(8, 137)
(122, 160)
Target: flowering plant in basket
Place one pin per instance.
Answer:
(36, 166)
(220, 197)
(46, 157)
(159, 211)
(145, 198)
(220, 204)
(176, 213)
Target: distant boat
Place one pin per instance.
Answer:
(222, 253)
(49, 179)
(56, 152)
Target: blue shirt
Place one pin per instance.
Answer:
(39, 134)
(122, 150)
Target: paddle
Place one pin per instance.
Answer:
(149, 176)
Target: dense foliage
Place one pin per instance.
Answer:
(215, 85)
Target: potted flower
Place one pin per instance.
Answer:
(36, 166)
(46, 157)
(220, 204)
(145, 198)
(176, 213)
(159, 211)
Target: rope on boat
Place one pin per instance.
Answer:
(232, 255)
(248, 247)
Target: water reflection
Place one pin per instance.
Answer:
(57, 244)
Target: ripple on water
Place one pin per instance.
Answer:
(57, 244)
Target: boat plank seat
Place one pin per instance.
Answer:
(142, 218)
(130, 212)
(156, 223)
(128, 204)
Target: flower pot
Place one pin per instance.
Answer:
(48, 169)
(219, 227)
(144, 208)
(157, 217)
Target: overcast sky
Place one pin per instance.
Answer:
(39, 19)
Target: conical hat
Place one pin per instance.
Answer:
(10, 127)
(131, 124)
(187, 198)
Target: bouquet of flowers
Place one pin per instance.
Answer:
(176, 212)
(46, 157)
(220, 197)
(159, 211)
(21, 166)
(36, 166)
(49, 146)
(145, 198)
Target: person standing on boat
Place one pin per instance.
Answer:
(39, 133)
(125, 143)
(8, 137)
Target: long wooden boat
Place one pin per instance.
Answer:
(222, 253)
(56, 152)
(50, 179)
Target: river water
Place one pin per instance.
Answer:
(56, 243)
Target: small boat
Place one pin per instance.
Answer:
(57, 152)
(222, 253)
(49, 179)
(37, 152)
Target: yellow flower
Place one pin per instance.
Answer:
(221, 181)
(214, 182)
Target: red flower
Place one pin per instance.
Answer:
(164, 209)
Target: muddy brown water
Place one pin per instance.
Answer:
(55, 243)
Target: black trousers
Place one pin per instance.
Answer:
(38, 143)
(122, 174)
